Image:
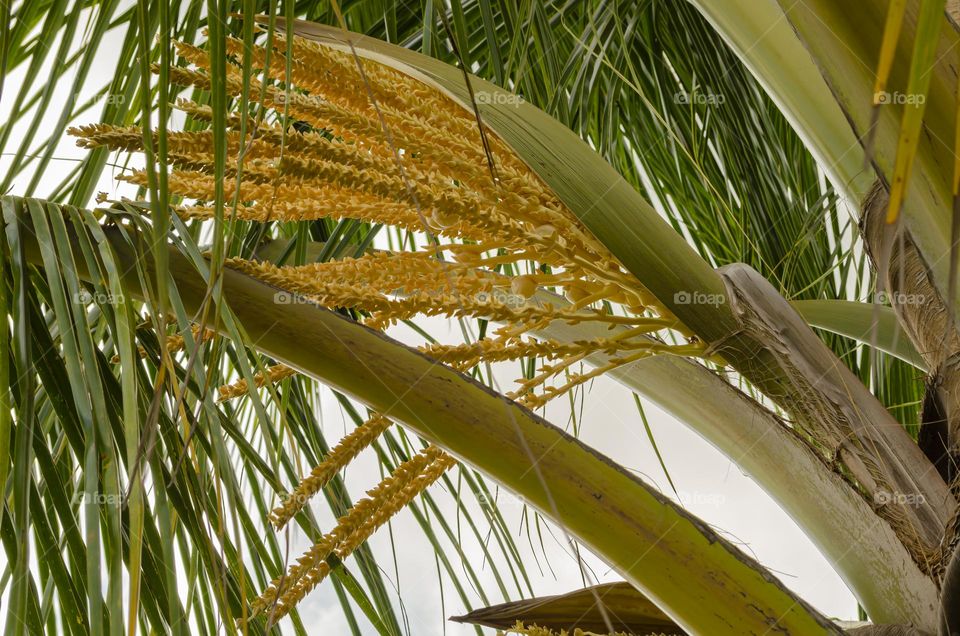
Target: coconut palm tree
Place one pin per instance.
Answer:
(743, 211)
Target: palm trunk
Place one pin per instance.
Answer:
(922, 312)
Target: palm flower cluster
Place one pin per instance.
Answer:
(390, 496)
(373, 144)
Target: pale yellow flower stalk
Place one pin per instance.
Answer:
(342, 121)
(388, 310)
(470, 217)
(197, 146)
(349, 91)
(532, 400)
(320, 113)
(394, 272)
(392, 504)
(405, 474)
(271, 375)
(408, 95)
(520, 211)
(175, 342)
(389, 86)
(365, 127)
(409, 107)
(335, 461)
(512, 348)
(302, 202)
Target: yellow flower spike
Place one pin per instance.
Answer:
(404, 474)
(402, 92)
(512, 348)
(393, 503)
(271, 375)
(467, 298)
(389, 497)
(453, 141)
(336, 460)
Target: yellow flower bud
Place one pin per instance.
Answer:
(619, 297)
(442, 219)
(525, 285)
